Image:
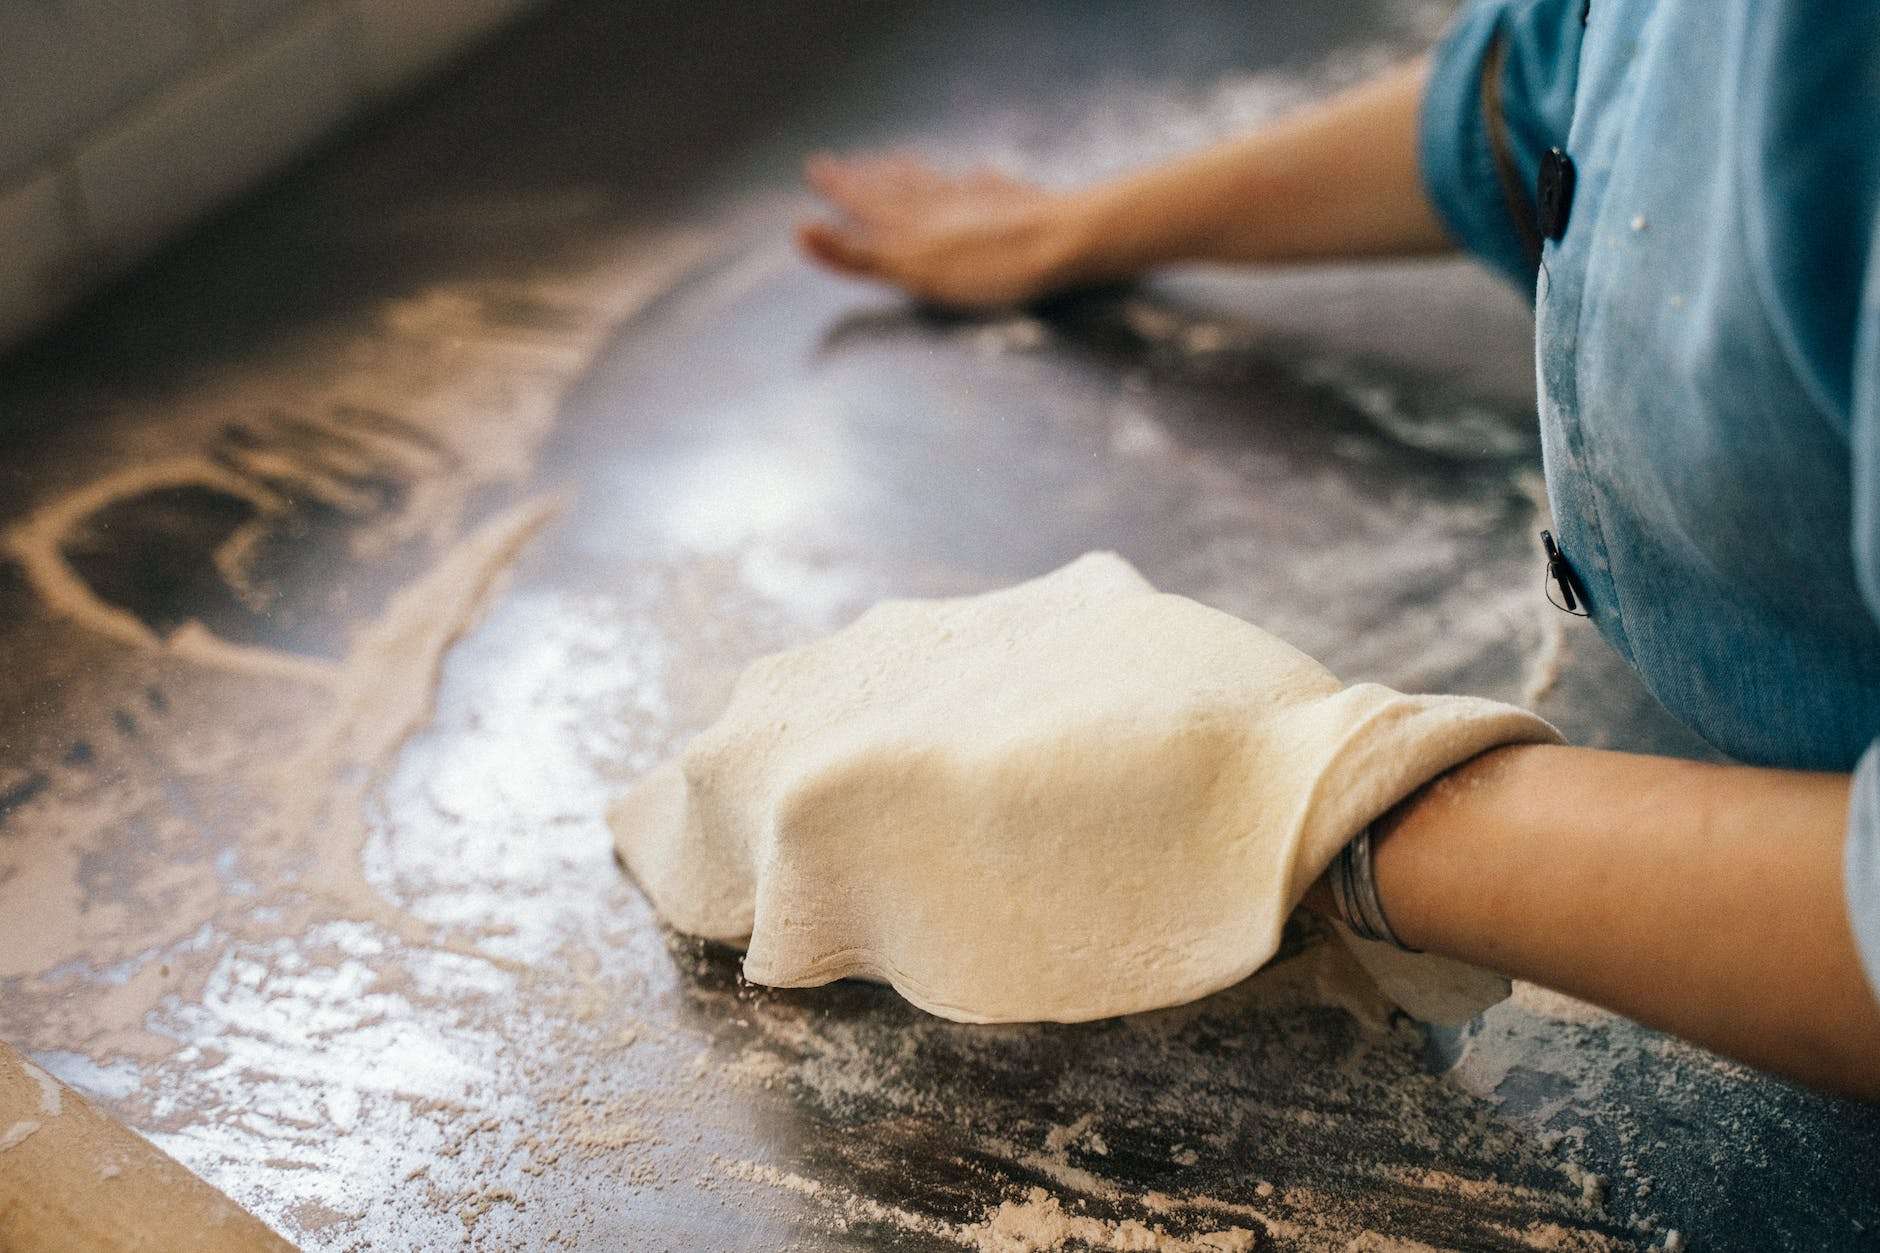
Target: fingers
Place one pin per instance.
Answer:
(851, 252)
(988, 178)
(904, 174)
(845, 251)
(843, 185)
(891, 169)
(825, 174)
(874, 190)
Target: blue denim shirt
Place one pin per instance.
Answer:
(1708, 331)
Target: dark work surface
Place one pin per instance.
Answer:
(361, 548)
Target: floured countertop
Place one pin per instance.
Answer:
(354, 556)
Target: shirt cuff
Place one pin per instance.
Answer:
(1455, 152)
(1863, 863)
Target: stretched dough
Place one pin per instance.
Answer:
(1067, 800)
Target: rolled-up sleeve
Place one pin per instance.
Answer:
(1811, 107)
(1500, 95)
(1863, 836)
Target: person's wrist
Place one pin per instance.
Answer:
(1352, 880)
(1097, 238)
(1400, 840)
(1322, 897)
(1416, 861)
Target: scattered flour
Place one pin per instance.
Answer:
(17, 1133)
(1059, 1138)
(50, 1101)
(1040, 1222)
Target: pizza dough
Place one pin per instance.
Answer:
(1067, 800)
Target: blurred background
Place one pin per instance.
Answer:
(122, 122)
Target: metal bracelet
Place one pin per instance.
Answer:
(1354, 891)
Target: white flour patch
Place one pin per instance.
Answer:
(49, 1099)
(17, 1133)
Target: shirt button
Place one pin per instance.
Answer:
(1556, 193)
(1560, 576)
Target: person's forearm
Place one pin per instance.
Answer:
(1704, 900)
(1338, 180)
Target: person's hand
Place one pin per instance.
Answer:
(1070, 799)
(974, 241)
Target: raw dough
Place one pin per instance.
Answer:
(1067, 800)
